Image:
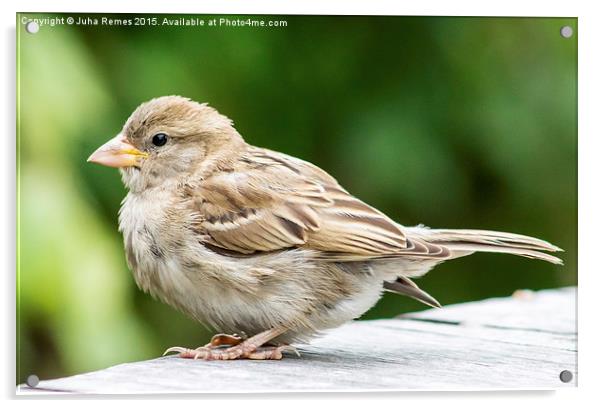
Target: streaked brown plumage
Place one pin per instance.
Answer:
(250, 240)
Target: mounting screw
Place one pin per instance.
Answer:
(32, 381)
(32, 27)
(566, 376)
(566, 31)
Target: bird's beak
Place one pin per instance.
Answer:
(117, 152)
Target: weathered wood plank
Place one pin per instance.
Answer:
(548, 310)
(520, 342)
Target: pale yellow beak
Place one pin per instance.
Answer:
(117, 152)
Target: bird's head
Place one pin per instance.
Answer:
(166, 139)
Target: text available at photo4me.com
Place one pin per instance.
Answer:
(158, 21)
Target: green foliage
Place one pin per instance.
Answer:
(451, 122)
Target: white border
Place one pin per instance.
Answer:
(590, 275)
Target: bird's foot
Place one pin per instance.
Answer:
(239, 351)
(227, 347)
(272, 352)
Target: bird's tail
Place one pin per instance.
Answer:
(462, 242)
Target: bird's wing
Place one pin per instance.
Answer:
(270, 201)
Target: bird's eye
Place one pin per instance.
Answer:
(159, 139)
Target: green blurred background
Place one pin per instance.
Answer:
(451, 122)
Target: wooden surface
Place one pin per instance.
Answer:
(519, 342)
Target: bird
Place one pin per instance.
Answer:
(266, 249)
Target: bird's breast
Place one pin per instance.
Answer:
(154, 229)
(168, 261)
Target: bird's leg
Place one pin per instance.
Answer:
(249, 348)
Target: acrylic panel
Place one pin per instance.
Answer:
(461, 123)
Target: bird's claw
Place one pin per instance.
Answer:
(175, 349)
(220, 340)
(291, 349)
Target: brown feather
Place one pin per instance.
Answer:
(407, 287)
(296, 205)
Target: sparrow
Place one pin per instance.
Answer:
(266, 248)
